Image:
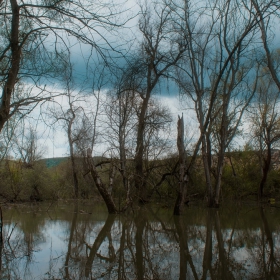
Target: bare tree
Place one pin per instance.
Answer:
(217, 36)
(265, 125)
(121, 121)
(235, 95)
(36, 39)
(266, 13)
(122, 109)
(160, 51)
(67, 112)
(25, 144)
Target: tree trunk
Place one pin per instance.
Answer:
(265, 170)
(123, 158)
(139, 172)
(207, 173)
(71, 146)
(123, 119)
(183, 178)
(206, 150)
(220, 167)
(75, 177)
(219, 181)
(9, 85)
(100, 185)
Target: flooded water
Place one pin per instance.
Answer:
(70, 241)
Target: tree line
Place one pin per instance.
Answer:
(219, 56)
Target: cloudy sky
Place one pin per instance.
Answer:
(84, 62)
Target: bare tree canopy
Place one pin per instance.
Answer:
(36, 40)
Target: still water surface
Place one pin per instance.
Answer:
(80, 241)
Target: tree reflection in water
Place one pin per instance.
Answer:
(69, 243)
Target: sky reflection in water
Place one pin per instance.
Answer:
(66, 242)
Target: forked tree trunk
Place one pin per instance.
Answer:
(183, 177)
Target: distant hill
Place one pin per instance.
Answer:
(53, 162)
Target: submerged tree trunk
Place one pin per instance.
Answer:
(100, 185)
(183, 178)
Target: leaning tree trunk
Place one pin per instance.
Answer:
(106, 195)
(183, 177)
